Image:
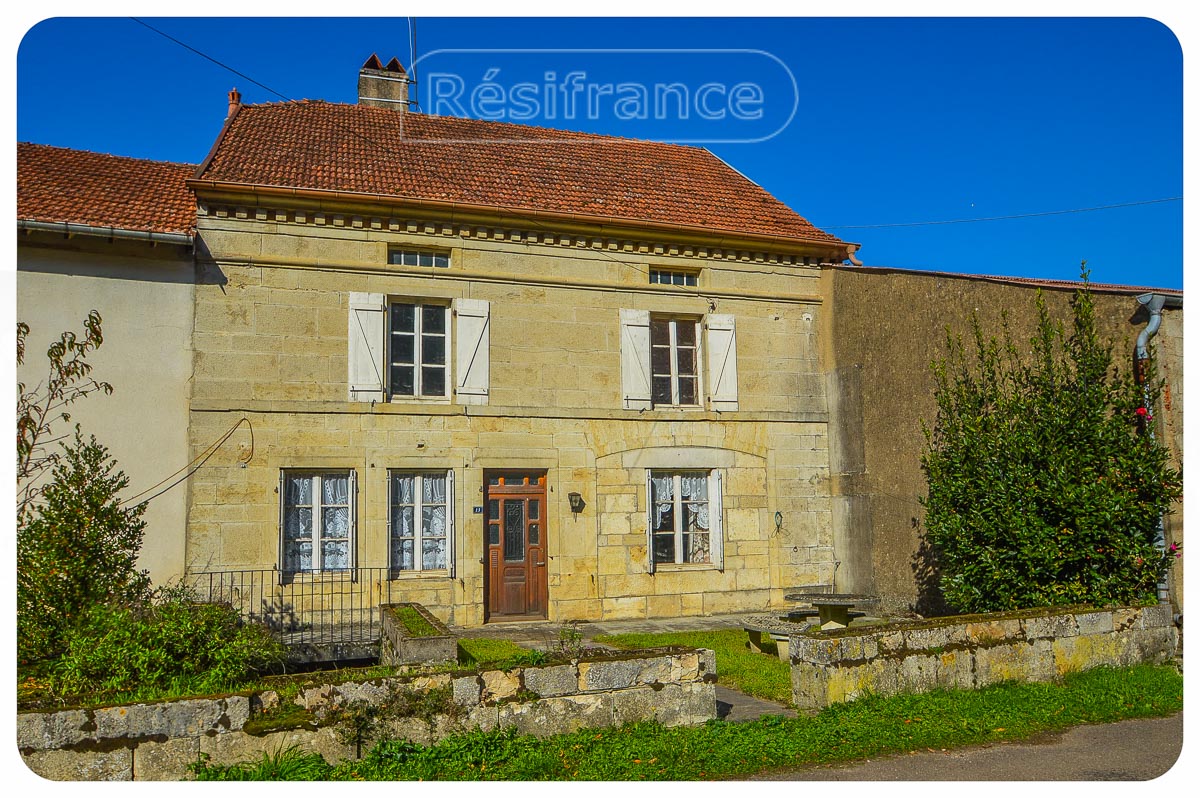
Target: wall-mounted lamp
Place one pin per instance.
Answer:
(778, 520)
(577, 503)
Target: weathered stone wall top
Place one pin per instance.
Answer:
(970, 632)
(971, 652)
(93, 729)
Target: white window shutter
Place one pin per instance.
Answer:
(471, 356)
(635, 358)
(392, 566)
(283, 563)
(365, 356)
(352, 492)
(721, 343)
(451, 500)
(649, 523)
(716, 515)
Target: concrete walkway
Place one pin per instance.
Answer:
(732, 706)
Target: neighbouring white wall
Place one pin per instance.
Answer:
(145, 298)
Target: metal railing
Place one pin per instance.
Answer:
(320, 608)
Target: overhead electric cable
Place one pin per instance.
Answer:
(999, 218)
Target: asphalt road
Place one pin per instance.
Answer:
(1131, 750)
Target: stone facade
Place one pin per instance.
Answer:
(271, 345)
(969, 652)
(154, 742)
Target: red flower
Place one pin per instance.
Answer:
(1141, 411)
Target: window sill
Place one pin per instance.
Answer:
(403, 576)
(419, 400)
(676, 567)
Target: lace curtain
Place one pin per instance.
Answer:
(433, 521)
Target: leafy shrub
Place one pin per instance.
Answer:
(171, 644)
(77, 546)
(1042, 490)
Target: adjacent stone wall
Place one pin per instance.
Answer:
(882, 329)
(156, 742)
(973, 651)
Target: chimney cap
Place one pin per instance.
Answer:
(375, 65)
(235, 102)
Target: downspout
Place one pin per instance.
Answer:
(1153, 303)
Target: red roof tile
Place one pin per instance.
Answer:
(365, 150)
(55, 184)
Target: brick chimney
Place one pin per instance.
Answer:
(235, 99)
(383, 86)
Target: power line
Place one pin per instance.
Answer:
(210, 58)
(386, 145)
(199, 461)
(999, 218)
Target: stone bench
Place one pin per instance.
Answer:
(776, 628)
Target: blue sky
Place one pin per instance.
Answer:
(895, 120)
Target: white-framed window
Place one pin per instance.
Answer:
(672, 277)
(416, 257)
(684, 526)
(317, 519)
(421, 520)
(418, 349)
(675, 361)
(661, 357)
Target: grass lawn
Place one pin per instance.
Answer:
(485, 652)
(759, 675)
(646, 751)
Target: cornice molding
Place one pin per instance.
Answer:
(684, 246)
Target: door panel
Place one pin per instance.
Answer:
(515, 545)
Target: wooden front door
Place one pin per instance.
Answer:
(515, 545)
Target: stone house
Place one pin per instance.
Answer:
(506, 372)
(511, 372)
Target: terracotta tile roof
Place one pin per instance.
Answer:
(1104, 288)
(360, 149)
(55, 184)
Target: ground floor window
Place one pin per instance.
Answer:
(681, 517)
(317, 516)
(421, 516)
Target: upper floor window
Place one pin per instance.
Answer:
(413, 257)
(403, 348)
(670, 277)
(418, 349)
(662, 358)
(674, 361)
(317, 520)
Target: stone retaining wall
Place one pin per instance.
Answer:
(158, 741)
(973, 651)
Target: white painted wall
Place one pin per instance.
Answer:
(145, 297)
